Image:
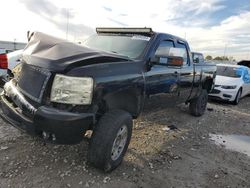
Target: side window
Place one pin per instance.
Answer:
(195, 56)
(201, 58)
(164, 47)
(181, 45)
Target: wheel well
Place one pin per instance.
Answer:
(240, 89)
(128, 100)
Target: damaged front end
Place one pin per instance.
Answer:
(49, 123)
(33, 99)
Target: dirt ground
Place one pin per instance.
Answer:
(183, 156)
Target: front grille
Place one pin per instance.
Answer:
(215, 91)
(32, 81)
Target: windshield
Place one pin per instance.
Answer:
(130, 46)
(228, 71)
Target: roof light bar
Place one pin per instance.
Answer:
(124, 30)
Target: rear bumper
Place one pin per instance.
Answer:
(49, 123)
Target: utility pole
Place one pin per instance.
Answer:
(225, 51)
(67, 29)
(14, 43)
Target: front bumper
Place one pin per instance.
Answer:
(223, 94)
(49, 123)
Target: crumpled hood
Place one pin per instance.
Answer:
(58, 55)
(224, 80)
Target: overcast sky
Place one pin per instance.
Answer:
(214, 27)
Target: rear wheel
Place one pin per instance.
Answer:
(238, 96)
(198, 105)
(110, 140)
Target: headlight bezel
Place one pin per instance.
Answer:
(62, 94)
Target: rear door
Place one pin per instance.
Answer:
(187, 74)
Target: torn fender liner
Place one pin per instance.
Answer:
(57, 54)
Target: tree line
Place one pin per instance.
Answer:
(219, 58)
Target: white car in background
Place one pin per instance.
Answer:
(7, 64)
(14, 58)
(232, 82)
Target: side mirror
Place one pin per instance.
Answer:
(175, 61)
(168, 61)
(196, 60)
(169, 56)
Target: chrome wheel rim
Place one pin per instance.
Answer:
(119, 143)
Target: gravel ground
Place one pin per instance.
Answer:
(158, 156)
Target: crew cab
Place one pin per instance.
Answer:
(64, 90)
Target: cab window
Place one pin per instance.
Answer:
(185, 57)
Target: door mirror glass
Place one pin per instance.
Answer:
(170, 51)
(175, 61)
(169, 56)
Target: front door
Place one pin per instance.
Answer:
(162, 80)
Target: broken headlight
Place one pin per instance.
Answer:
(72, 90)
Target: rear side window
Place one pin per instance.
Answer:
(185, 57)
(199, 56)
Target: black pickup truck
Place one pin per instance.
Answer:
(61, 90)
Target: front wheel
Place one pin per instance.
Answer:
(237, 98)
(198, 105)
(110, 140)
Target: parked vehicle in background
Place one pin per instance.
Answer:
(3, 66)
(198, 57)
(14, 59)
(245, 63)
(7, 64)
(64, 89)
(232, 82)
